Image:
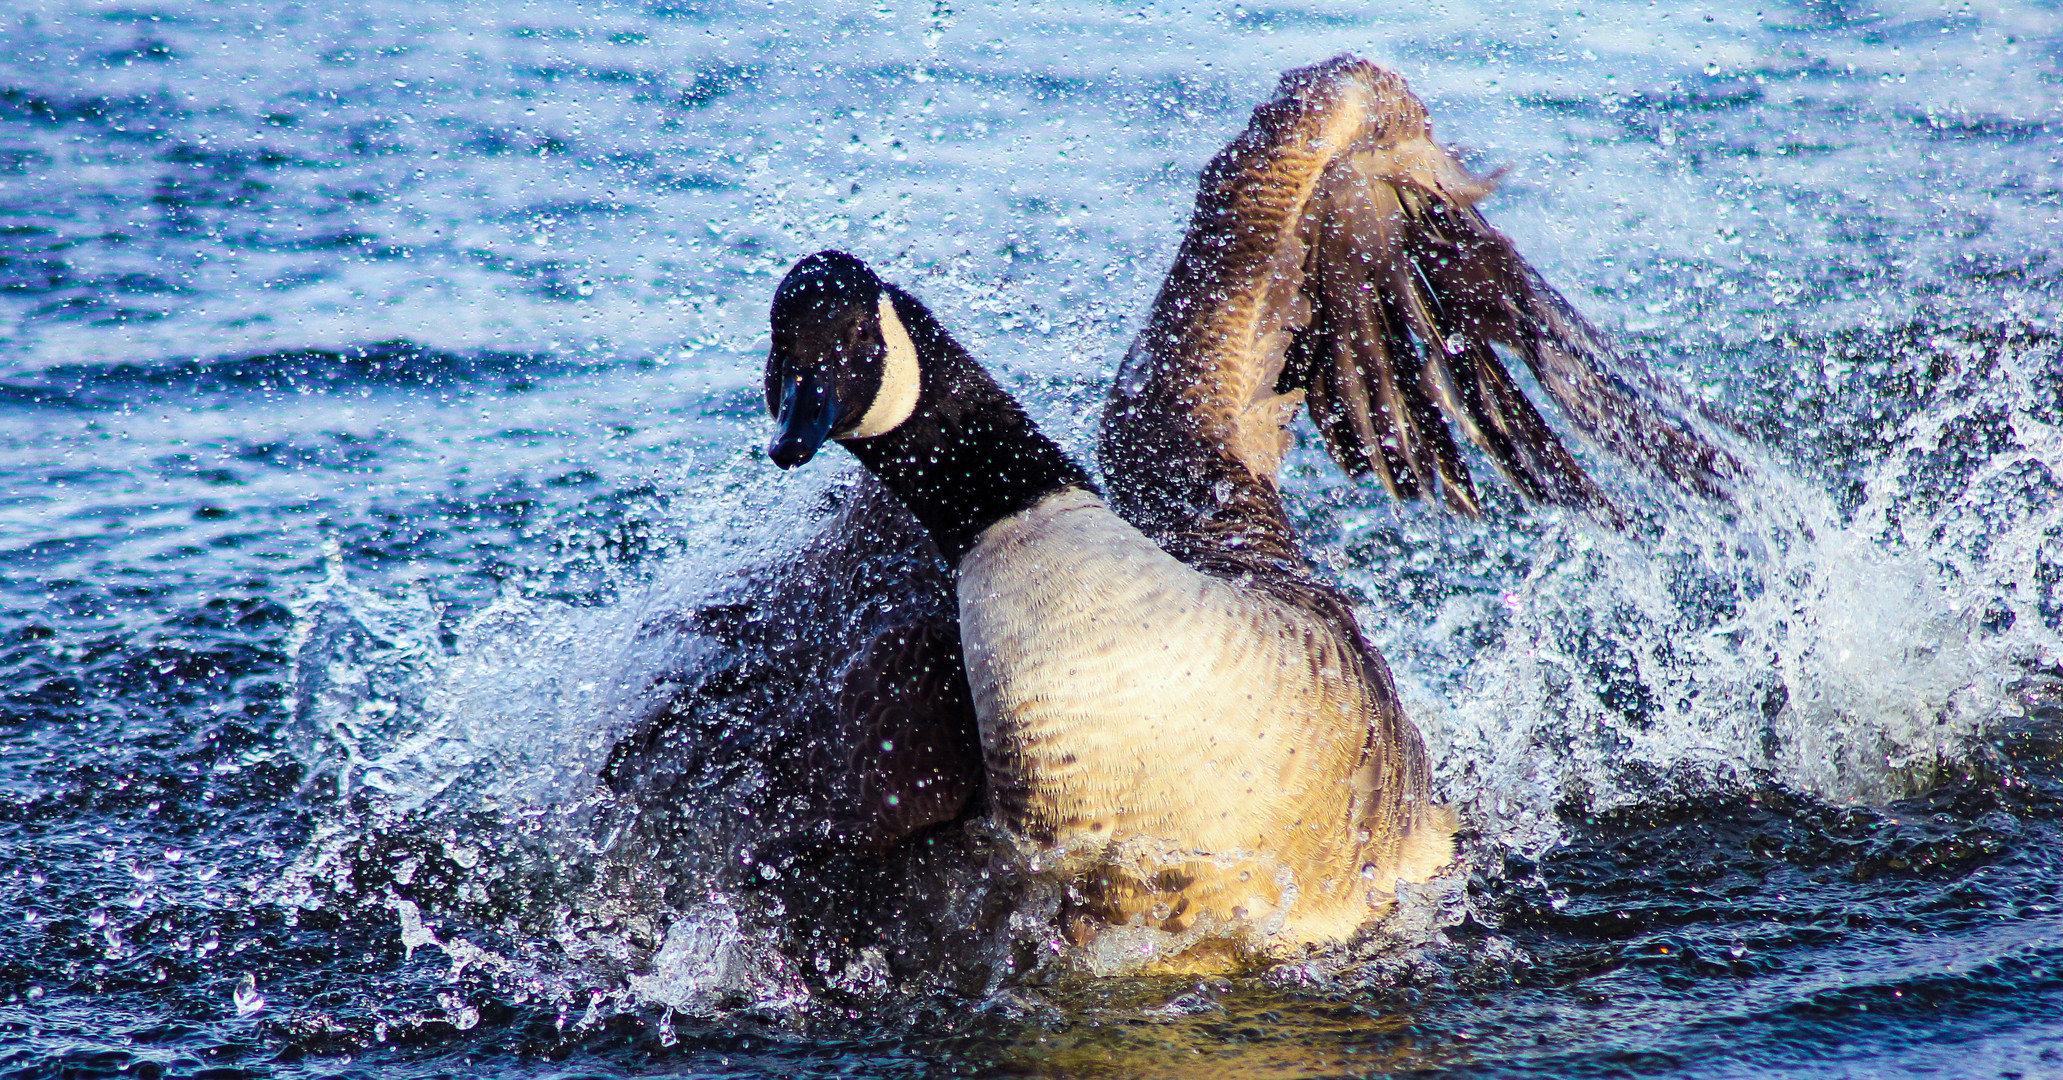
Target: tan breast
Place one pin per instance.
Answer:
(1140, 714)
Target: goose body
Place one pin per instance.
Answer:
(1185, 746)
(1172, 710)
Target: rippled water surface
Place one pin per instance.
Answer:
(374, 376)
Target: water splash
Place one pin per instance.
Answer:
(1848, 648)
(1852, 652)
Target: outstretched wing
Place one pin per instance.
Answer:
(1335, 259)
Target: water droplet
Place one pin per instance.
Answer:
(246, 996)
(463, 1016)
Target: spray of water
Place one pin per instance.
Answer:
(1851, 652)
(1848, 646)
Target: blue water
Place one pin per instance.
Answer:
(371, 374)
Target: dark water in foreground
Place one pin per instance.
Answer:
(369, 372)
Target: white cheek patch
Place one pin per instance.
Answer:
(900, 379)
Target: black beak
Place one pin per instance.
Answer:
(808, 413)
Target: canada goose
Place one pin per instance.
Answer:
(1175, 712)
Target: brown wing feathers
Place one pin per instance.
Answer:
(1336, 227)
(1410, 289)
(1369, 393)
(1406, 301)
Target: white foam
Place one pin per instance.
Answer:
(1852, 656)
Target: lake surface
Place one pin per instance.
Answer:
(371, 373)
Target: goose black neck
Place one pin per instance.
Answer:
(968, 456)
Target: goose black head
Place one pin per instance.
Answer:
(842, 364)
